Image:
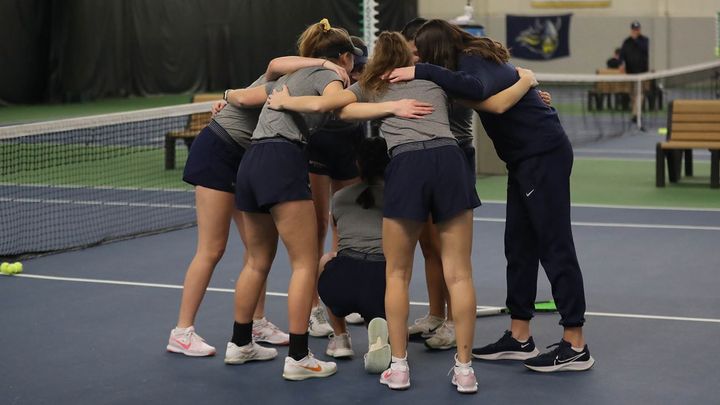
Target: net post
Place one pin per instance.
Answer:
(638, 103)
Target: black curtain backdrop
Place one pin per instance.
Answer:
(78, 50)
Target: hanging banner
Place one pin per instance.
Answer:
(538, 37)
(570, 4)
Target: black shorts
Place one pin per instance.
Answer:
(273, 171)
(213, 162)
(429, 180)
(351, 284)
(333, 153)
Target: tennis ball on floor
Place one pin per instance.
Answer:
(662, 131)
(16, 268)
(5, 268)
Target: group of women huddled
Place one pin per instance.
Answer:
(276, 152)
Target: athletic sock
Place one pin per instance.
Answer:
(578, 349)
(242, 334)
(298, 346)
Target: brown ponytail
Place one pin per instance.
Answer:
(320, 40)
(391, 51)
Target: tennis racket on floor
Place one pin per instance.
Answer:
(540, 306)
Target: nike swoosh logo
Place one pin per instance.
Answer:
(184, 346)
(316, 369)
(558, 361)
(525, 345)
(529, 192)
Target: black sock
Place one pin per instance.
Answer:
(298, 346)
(242, 333)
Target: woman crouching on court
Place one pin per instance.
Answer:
(531, 140)
(427, 175)
(352, 280)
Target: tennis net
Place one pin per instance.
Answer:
(74, 183)
(593, 107)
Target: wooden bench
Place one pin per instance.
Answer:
(196, 122)
(615, 94)
(692, 124)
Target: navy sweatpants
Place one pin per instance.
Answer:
(538, 231)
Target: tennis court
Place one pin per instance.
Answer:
(90, 325)
(93, 112)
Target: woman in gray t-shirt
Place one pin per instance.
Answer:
(427, 175)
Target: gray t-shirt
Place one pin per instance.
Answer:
(240, 123)
(358, 228)
(461, 122)
(305, 82)
(398, 131)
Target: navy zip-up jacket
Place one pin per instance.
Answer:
(527, 129)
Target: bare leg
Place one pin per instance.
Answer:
(455, 246)
(261, 240)
(260, 307)
(520, 329)
(320, 186)
(574, 335)
(430, 246)
(399, 239)
(295, 221)
(214, 210)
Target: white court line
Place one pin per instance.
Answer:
(91, 202)
(620, 225)
(77, 186)
(279, 294)
(623, 207)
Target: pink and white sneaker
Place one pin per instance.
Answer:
(464, 377)
(264, 331)
(397, 377)
(189, 343)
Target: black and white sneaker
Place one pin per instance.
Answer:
(562, 358)
(507, 348)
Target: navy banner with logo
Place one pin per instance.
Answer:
(539, 37)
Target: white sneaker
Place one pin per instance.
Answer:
(354, 319)
(250, 352)
(397, 377)
(318, 325)
(444, 337)
(265, 331)
(339, 346)
(189, 343)
(378, 356)
(307, 367)
(425, 326)
(464, 377)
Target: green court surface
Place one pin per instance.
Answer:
(43, 112)
(623, 182)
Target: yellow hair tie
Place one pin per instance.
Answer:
(326, 24)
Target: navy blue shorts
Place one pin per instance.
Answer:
(433, 181)
(272, 171)
(469, 151)
(350, 284)
(213, 162)
(333, 153)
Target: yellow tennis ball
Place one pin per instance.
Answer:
(5, 268)
(16, 267)
(662, 131)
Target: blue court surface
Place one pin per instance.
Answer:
(90, 326)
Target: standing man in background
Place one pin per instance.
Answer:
(635, 54)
